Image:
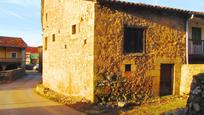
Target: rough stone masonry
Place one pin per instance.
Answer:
(83, 44)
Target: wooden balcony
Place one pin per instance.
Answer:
(10, 60)
(196, 49)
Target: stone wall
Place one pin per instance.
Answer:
(68, 60)
(10, 75)
(73, 63)
(187, 73)
(164, 44)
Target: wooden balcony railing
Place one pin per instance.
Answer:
(10, 59)
(196, 47)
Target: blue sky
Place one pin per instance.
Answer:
(21, 18)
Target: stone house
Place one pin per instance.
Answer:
(196, 40)
(86, 39)
(12, 53)
(32, 55)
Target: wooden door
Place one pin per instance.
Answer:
(166, 79)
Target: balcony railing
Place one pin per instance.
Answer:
(196, 48)
(10, 59)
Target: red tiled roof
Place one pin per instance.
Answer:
(156, 7)
(12, 42)
(32, 49)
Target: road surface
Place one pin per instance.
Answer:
(19, 98)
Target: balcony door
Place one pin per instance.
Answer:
(196, 35)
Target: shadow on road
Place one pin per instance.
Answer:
(47, 110)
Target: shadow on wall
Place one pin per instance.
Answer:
(195, 103)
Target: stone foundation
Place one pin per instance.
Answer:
(115, 88)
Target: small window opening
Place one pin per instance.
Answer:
(46, 16)
(133, 40)
(45, 43)
(65, 46)
(85, 41)
(13, 55)
(127, 67)
(74, 29)
(53, 37)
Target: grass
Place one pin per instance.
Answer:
(158, 107)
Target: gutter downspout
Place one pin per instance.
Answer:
(187, 36)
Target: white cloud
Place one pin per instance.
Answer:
(24, 3)
(11, 13)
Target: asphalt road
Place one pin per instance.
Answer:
(19, 98)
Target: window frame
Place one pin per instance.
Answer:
(15, 55)
(128, 67)
(144, 40)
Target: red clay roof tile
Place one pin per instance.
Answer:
(32, 49)
(12, 42)
(156, 7)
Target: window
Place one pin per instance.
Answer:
(196, 35)
(127, 67)
(45, 46)
(74, 29)
(46, 16)
(133, 40)
(85, 41)
(13, 55)
(53, 37)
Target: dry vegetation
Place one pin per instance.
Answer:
(154, 106)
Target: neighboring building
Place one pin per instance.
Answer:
(144, 43)
(12, 53)
(32, 55)
(196, 40)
